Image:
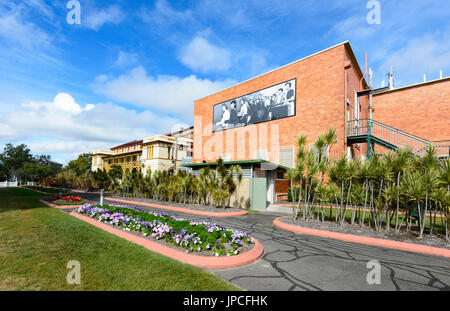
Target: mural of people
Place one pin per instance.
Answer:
(268, 104)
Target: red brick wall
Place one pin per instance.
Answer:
(320, 104)
(422, 110)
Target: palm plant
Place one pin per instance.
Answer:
(338, 173)
(300, 165)
(365, 175)
(352, 172)
(290, 175)
(401, 164)
(237, 172)
(312, 167)
(414, 189)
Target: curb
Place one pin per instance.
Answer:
(58, 206)
(224, 262)
(409, 247)
(181, 210)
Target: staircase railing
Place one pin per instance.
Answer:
(396, 137)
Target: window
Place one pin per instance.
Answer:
(287, 156)
(225, 157)
(280, 175)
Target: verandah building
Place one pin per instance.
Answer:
(159, 152)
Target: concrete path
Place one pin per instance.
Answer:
(299, 262)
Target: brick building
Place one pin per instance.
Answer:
(323, 90)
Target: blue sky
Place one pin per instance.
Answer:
(132, 69)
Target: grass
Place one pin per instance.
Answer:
(37, 242)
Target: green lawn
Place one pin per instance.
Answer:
(37, 242)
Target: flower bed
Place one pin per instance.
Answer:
(192, 236)
(69, 200)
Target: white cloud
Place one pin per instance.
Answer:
(168, 94)
(41, 6)
(65, 120)
(427, 54)
(126, 59)
(63, 103)
(64, 129)
(95, 19)
(354, 28)
(15, 29)
(201, 55)
(164, 14)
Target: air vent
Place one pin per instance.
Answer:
(261, 154)
(287, 156)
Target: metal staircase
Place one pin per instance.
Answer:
(374, 132)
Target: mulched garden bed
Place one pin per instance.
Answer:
(195, 207)
(403, 236)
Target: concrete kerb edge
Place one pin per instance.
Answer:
(410, 247)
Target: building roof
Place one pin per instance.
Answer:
(102, 152)
(239, 162)
(386, 89)
(180, 131)
(134, 142)
(168, 139)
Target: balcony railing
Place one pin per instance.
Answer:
(125, 164)
(395, 137)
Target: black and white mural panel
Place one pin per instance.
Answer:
(272, 103)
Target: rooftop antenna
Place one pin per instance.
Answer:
(390, 79)
(424, 78)
(440, 74)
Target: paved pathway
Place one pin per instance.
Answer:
(299, 262)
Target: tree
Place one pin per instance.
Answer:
(101, 178)
(19, 162)
(81, 164)
(13, 158)
(115, 172)
(3, 172)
